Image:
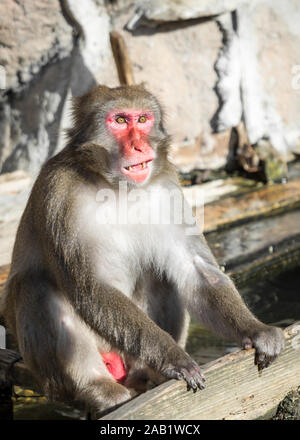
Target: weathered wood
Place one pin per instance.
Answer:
(234, 389)
(122, 59)
(210, 193)
(263, 202)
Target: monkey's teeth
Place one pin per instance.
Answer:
(139, 166)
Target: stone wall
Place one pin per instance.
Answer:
(211, 63)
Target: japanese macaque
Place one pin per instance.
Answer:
(100, 306)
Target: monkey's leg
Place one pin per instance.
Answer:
(166, 308)
(161, 302)
(61, 350)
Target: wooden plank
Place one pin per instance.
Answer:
(235, 389)
(264, 202)
(210, 193)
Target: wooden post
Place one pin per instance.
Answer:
(122, 59)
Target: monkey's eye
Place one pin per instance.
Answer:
(142, 119)
(120, 120)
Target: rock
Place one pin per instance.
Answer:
(14, 192)
(277, 34)
(209, 63)
(153, 12)
(289, 407)
(260, 161)
(207, 153)
(274, 168)
(33, 118)
(32, 34)
(92, 61)
(35, 112)
(177, 65)
(268, 38)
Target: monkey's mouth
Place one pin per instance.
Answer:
(137, 172)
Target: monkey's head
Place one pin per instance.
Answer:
(119, 133)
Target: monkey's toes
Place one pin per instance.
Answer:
(191, 373)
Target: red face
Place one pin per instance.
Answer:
(131, 129)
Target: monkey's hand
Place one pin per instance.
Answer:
(179, 365)
(268, 343)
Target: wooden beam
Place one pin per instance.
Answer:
(122, 60)
(242, 208)
(234, 389)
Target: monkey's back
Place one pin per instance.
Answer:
(32, 235)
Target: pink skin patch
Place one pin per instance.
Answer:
(115, 365)
(132, 137)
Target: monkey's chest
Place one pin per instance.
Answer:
(124, 246)
(122, 255)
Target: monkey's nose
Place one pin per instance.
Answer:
(135, 135)
(137, 146)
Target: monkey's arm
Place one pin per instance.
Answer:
(118, 320)
(220, 307)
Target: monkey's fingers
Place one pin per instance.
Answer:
(190, 380)
(263, 361)
(268, 344)
(260, 360)
(192, 375)
(247, 343)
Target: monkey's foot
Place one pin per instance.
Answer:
(190, 372)
(268, 344)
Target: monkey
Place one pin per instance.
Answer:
(100, 305)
